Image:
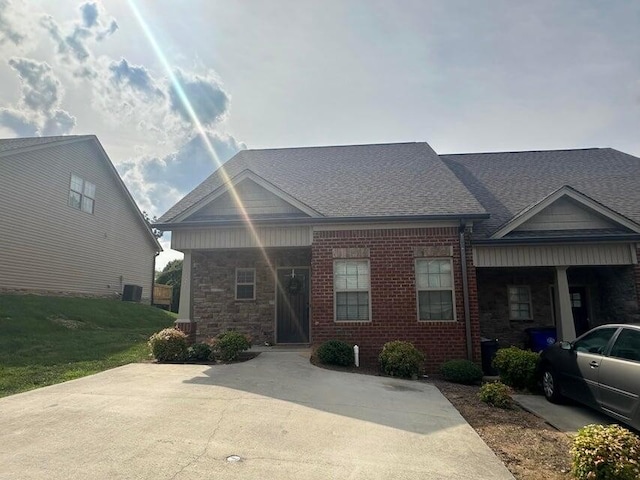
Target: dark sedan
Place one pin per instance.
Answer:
(600, 369)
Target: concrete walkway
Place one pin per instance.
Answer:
(281, 416)
(567, 418)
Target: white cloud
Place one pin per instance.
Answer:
(206, 97)
(9, 33)
(37, 111)
(73, 40)
(40, 88)
(17, 122)
(159, 182)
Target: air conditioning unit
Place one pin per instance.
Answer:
(131, 293)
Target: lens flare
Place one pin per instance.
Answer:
(200, 130)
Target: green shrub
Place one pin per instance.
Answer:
(335, 352)
(496, 394)
(461, 371)
(401, 359)
(606, 453)
(169, 345)
(517, 367)
(199, 352)
(229, 345)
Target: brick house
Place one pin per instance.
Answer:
(373, 243)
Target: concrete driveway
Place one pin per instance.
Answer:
(282, 416)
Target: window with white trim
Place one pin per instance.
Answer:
(82, 194)
(434, 282)
(351, 286)
(519, 302)
(245, 284)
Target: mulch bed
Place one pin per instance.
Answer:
(243, 357)
(530, 448)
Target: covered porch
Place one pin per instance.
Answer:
(572, 288)
(254, 282)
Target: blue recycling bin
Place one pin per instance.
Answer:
(540, 338)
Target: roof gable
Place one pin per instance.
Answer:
(246, 195)
(507, 183)
(566, 209)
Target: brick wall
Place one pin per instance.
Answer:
(213, 291)
(393, 294)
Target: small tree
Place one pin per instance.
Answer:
(151, 220)
(171, 274)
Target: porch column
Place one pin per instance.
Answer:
(564, 316)
(184, 321)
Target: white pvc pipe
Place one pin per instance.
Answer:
(356, 355)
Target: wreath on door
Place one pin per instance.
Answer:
(294, 286)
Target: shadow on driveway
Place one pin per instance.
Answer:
(289, 376)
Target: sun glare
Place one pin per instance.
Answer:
(157, 49)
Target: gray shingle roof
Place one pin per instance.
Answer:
(401, 179)
(506, 183)
(11, 144)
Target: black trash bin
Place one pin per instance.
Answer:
(539, 338)
(488, 349)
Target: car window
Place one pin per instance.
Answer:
(595, 342)
(627, 345)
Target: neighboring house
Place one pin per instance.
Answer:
(373, 243)
(70, 226)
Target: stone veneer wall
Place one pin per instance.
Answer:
(214, 306)
(392, 255)
(611, 296)
(494, 302)
(618, 295)
(636, 275)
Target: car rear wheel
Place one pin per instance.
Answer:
(551, 386)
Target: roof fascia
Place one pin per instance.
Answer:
(232, 183)
(321, 220)
(623, 237)
(564, 191)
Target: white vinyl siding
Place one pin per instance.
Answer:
(566, 214)
(241, 237)
(351, 286)
(551, 255)
(245, 283)
(519, 302)
(46, 245)
(435, 289)
(256, 201)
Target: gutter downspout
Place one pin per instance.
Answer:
(153, 276)
(465, 289)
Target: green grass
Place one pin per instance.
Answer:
(47, 340)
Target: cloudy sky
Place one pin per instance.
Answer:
(462, 75)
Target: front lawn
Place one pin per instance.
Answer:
(47, 340)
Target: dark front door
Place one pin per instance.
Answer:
(292, 305)
(580, 309)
